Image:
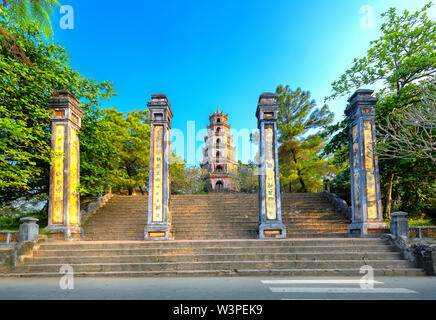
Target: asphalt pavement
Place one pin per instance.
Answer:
(219, 288)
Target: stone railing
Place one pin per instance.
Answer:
(90, 208)
(423, 232)
(19, 244)
(29, 231)
(408, 241)
(339, 204)
(9, 236)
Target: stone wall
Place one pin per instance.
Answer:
(420, 253)
(13, 255)
(425, 255)
(339, 204)
(6, 253)
(88, 208)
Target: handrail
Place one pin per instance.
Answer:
(10, 236)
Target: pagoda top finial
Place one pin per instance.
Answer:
(218, 109)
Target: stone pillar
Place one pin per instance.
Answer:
(367, 219)
(399, 224)
(270, 215)
(29, 230)
(64, 204)
(159, 217)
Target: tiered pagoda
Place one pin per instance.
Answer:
(219, 155)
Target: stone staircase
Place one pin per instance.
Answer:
(216, 216)
(216, 237)
(280, 257)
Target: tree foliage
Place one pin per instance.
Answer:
(186, 180)
(129, 135)
(25, 152)
(301, 168)
(410, 132)
(404, 54)
(30, 13)
(247, 177)
(403, 61)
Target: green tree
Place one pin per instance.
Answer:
(404, 54)
(27, 14)
(410, 132)
(247, 177)
(337, 151)
(130, 136)
(301, 169)
(186, 180)
(402, 60)
(25, 152)
(96, 171)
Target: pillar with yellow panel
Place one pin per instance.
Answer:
(64, 201)
(270, 216)
(367, 219)
(159, 216)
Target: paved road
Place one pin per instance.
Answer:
(217, 288)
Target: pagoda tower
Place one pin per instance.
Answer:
(219, 155)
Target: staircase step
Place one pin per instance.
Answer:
(199, 257)
(314, 249)
(224, 229)
(216, 265)
(239, 272)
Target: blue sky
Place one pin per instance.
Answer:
(205, 54)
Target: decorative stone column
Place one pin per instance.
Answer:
(367, 219)
(64, 204)
(270, 215)
(159, 217)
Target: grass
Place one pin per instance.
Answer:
(9, 229)
(417, 222)
(42, 231)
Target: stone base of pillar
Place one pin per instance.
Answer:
(367, 229)
(271, 230)
(161, 231)
(66, 233)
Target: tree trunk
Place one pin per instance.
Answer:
(388, 202)
(300, 178)
(14, 48)
(130, 191)
(290, 187)
(303, 185)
